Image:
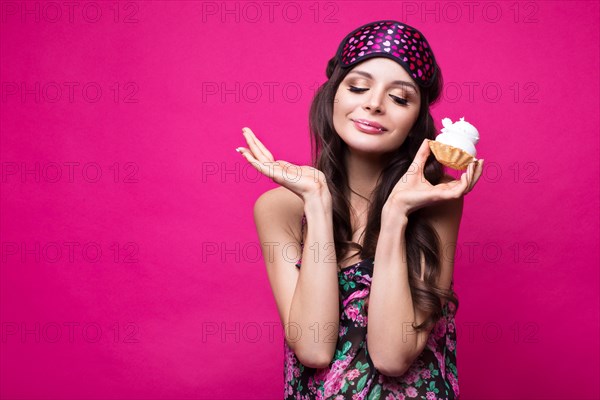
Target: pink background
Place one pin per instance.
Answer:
(178, 304)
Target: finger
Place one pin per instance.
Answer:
(253, 147)
(455, 188)
(469, 173)
(474, 169)
(262, 146)
(267, 170)
(252, 139)
(422, 154)
(278, 171)
(462, 188)
(477, 170)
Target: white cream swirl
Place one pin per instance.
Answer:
(460, 134)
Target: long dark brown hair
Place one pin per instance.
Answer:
(328, 151)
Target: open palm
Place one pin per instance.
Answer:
(302, 180)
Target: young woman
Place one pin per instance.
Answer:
(376, 221)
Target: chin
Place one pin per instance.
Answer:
(367, 148)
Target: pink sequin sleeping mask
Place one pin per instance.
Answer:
(394, 40)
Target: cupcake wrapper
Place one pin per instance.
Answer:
(450, 156)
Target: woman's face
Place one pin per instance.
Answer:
(379, 91)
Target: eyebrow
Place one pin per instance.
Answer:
(398, 83)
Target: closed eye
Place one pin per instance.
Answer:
(398, 100)
(356, 89)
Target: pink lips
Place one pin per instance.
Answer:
(368, 126)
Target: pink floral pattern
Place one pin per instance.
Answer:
(351, 374)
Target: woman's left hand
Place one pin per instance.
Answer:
(413, 191)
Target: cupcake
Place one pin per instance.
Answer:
(455, 145)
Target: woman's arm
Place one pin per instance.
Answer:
(315, 304)
(392, 342)
(307, 300)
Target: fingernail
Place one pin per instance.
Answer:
(239, 149)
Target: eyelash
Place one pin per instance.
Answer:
(397, 100)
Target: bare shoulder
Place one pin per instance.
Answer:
(280, 195)
(279, 208)
(278, 215)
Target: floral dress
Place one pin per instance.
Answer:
(351, 374)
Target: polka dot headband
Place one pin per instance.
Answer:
(394, 40)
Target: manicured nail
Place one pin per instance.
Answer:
(239, 149)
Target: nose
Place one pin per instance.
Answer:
(374, 101)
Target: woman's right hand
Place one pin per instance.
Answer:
(304, 181)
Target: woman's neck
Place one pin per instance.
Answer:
(363, 171)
